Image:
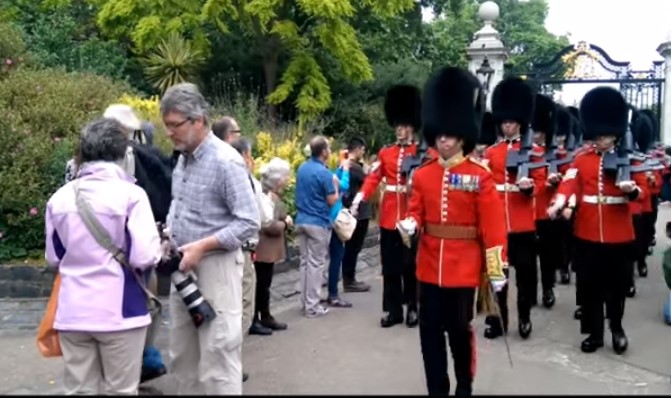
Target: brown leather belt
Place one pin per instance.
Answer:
(442, 231)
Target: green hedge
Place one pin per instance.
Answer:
(43, 112)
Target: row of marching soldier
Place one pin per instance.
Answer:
(530, 180)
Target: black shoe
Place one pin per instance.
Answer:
(354, 286)
(245, 376)
(651, 250)
(388, 321)
(620, 342)
(577, 315)
(631, 292)
(411, 319)
(564, 277)
(272, 324)
(524, 328)
(548, 298)
(591, 344)
(463, 391)
(152, 373)
(258, 329)
(643, 270)
(493, 332)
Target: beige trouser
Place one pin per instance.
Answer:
(248, 292)
(207, 360)
(102, 362)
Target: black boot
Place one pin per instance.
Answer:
(591, 344)
(548, 298)
(388, 320)
(642, 269)
(620, 342)
(564, 277)
(631, 292)
(411, 318)
(272, 324)
(524, 328)
(351, 285)
(577, 315)
(258, 329)
(494, 329)
(463, 391)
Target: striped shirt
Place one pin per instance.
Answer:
(211, 195)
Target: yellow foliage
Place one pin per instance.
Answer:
(148, 109)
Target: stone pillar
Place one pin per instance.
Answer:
(664, 50)
(487, 44)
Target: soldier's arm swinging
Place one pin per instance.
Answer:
(492, 228)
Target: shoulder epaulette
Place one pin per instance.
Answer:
(428, 162)
(479, 163)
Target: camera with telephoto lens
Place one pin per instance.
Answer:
(200, 310)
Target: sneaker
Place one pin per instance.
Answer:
(338, 303)
(317, 312)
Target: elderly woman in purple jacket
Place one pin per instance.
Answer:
(102, 314)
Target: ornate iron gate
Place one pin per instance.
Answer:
(585, 63)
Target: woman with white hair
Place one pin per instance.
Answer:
(271, 247)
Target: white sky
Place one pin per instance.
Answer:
(628, 30)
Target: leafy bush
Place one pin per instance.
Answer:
(43, 112)
(12, 48)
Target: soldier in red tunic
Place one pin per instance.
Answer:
(549, 245)
(402, 108)
(603, 230)
(512, 107)
(455, 209)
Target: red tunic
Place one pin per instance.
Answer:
(458, 193)
(603, 212)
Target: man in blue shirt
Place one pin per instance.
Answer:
(316, 192)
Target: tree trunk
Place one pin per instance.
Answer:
(270, 66)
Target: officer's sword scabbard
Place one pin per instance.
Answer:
(495, 298)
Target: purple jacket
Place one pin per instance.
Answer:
(97, 293)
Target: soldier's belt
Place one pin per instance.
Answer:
(442, 231)
(507, 188)
(396, 188)
(605, 200)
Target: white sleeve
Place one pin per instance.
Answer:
(266, 205)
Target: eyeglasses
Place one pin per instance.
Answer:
(175, 126)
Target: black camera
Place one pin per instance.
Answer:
(199, 309)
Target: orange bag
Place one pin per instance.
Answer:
(47, 337)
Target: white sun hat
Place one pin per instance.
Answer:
(123, 114)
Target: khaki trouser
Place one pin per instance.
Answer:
(152, 330)
(248, 292)
(207, 360)
(102, 362)
(313, 244)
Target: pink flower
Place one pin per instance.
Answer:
(9, 61)
(33, 211)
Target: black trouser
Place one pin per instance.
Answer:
(264, 278)
(522, 256)
(398, 273)
(447, 310)
(642, 241)
(551, 251)
(565, 231)
(353, 248)
(605, 269)
(653, 222)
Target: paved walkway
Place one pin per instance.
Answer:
(346, 352)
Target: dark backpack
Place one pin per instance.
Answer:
(153, 172)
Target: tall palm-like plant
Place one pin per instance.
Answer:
(174, 61)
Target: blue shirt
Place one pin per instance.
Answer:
(314, 183)
(343, 177)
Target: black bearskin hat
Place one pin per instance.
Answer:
(565, 122)
(513, 99)
(655, 123)
(488, 130)
(642, 129)
(545, 118)
(403, 106)
(453, 106)
(603, 111)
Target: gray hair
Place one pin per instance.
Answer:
(242, 145)
(103, 140)
(223, 127)
(273, 172)
(185, 98)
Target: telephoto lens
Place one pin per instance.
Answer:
(199, 309)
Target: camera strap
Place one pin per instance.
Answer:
(103, 238)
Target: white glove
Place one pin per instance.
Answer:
(498, 285)
(525, 183)
(408, 225)
(354, 208)
(558, 204)
(627, 186)
(553, 179)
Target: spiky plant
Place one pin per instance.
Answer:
(174, 61)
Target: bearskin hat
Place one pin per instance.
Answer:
(452, 105)
(603, 111)
(574, 111)
(488, 130)
(565, 122)
(403, 106)
(642, 129)
(655, 123)
(513, 99)
(545, 117)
